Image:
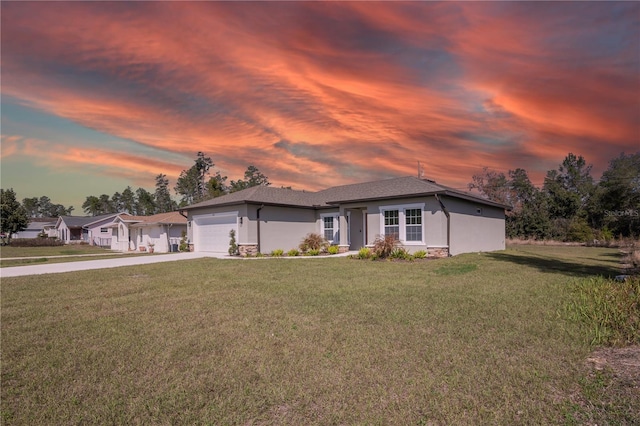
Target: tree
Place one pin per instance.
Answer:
(164, 203)
(31, 206)
(116, 202)
(216, 186)
(91, 205)
(569, 187)
(492, 185)
(128, 200)
(145, 204)
(106, 206)
(43, 207)
(252, 177)
(191, 184)
(616, 204)
(13, 216)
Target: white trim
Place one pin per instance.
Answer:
(336, 226)
(402, 222)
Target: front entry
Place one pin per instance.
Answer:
(357, 231)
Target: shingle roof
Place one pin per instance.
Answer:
(264, 195)
(80, 221)
(381, 189)
(160, 218)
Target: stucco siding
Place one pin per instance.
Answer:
(475, 227)
(434, 221)
(284, 228)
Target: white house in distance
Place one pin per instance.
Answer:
(422, 214)
(38, 226)
(92, 230)
(161, 231)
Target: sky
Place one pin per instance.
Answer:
(98, 96)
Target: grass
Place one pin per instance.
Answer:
(42, 260)
(25, 256)
(326, 341)
(8, 251)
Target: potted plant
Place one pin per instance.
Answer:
(151, 244)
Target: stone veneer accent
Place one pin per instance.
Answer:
(343, 249)
(438, 252)
(247, 249)
(191, 247)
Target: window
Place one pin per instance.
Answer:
(331, 227)
(392, 223)
(104, 230)
(328, 227)
(413, 218)
(403, 221)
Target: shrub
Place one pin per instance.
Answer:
(420, 254)
(609, 309)
(184, 246)
(333, 250)
(233, 247)
(36, 242)
(364, 253)
(313, 242)
(400, 253)
(384, 245)
(312, 252)
(293, 252)
(258, 254)
(277, 253)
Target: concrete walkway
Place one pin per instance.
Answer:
(56, 268)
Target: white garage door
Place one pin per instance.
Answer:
(211, 233)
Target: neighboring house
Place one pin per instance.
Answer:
(163, 230)
(423, 215)
(38, 226)
(99, 231)
(89, 229)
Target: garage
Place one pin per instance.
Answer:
(211, 232)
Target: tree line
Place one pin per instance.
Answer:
(194, 185)
(570, 205)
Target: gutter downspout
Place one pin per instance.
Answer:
(180, 213)
(258, 219)
(446, 213)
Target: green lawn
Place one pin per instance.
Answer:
(66, 250)
(474, 339)
(25, 256)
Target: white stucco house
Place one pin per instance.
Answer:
(421, 213)
(92, 230)
(161, 231)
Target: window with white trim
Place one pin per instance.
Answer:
(413, 220)
(104, 230)
(404, 221)
(331, 227)
(327, 223)
(392, 223)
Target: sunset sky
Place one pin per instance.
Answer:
(100, 95)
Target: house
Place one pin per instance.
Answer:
(88, 229)
(161, 231)
(38, 226)
(422, 214)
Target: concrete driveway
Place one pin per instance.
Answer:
(55, 268)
